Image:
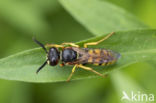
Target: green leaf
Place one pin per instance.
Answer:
(134, 46)
(24, 16)
(101, 16)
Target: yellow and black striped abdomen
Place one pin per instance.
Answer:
(102, 57)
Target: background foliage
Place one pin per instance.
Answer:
(57, 22)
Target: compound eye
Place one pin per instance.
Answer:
(69, 55)
(53, 56)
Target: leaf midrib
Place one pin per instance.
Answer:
(140, 51)
(123, 53)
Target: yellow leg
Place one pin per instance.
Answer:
(90, 69)
(73, 70)
(96, 43)
(61, 46)
(71, 44)
(54, 45)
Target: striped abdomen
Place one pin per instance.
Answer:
(98, 56)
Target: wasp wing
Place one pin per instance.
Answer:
(96, 56)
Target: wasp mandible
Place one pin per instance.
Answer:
(72, 54)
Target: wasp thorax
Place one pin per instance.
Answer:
(53, 56)
(68, 55)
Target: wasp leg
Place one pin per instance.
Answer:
(90, 69)
(73, 70)
(62, 64)
(72, 44)
(96, 43)
(54, 45)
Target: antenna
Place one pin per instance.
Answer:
(41, 66)
(40, 44)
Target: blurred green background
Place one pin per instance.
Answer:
(48, 21)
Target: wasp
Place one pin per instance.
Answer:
(72, 54)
